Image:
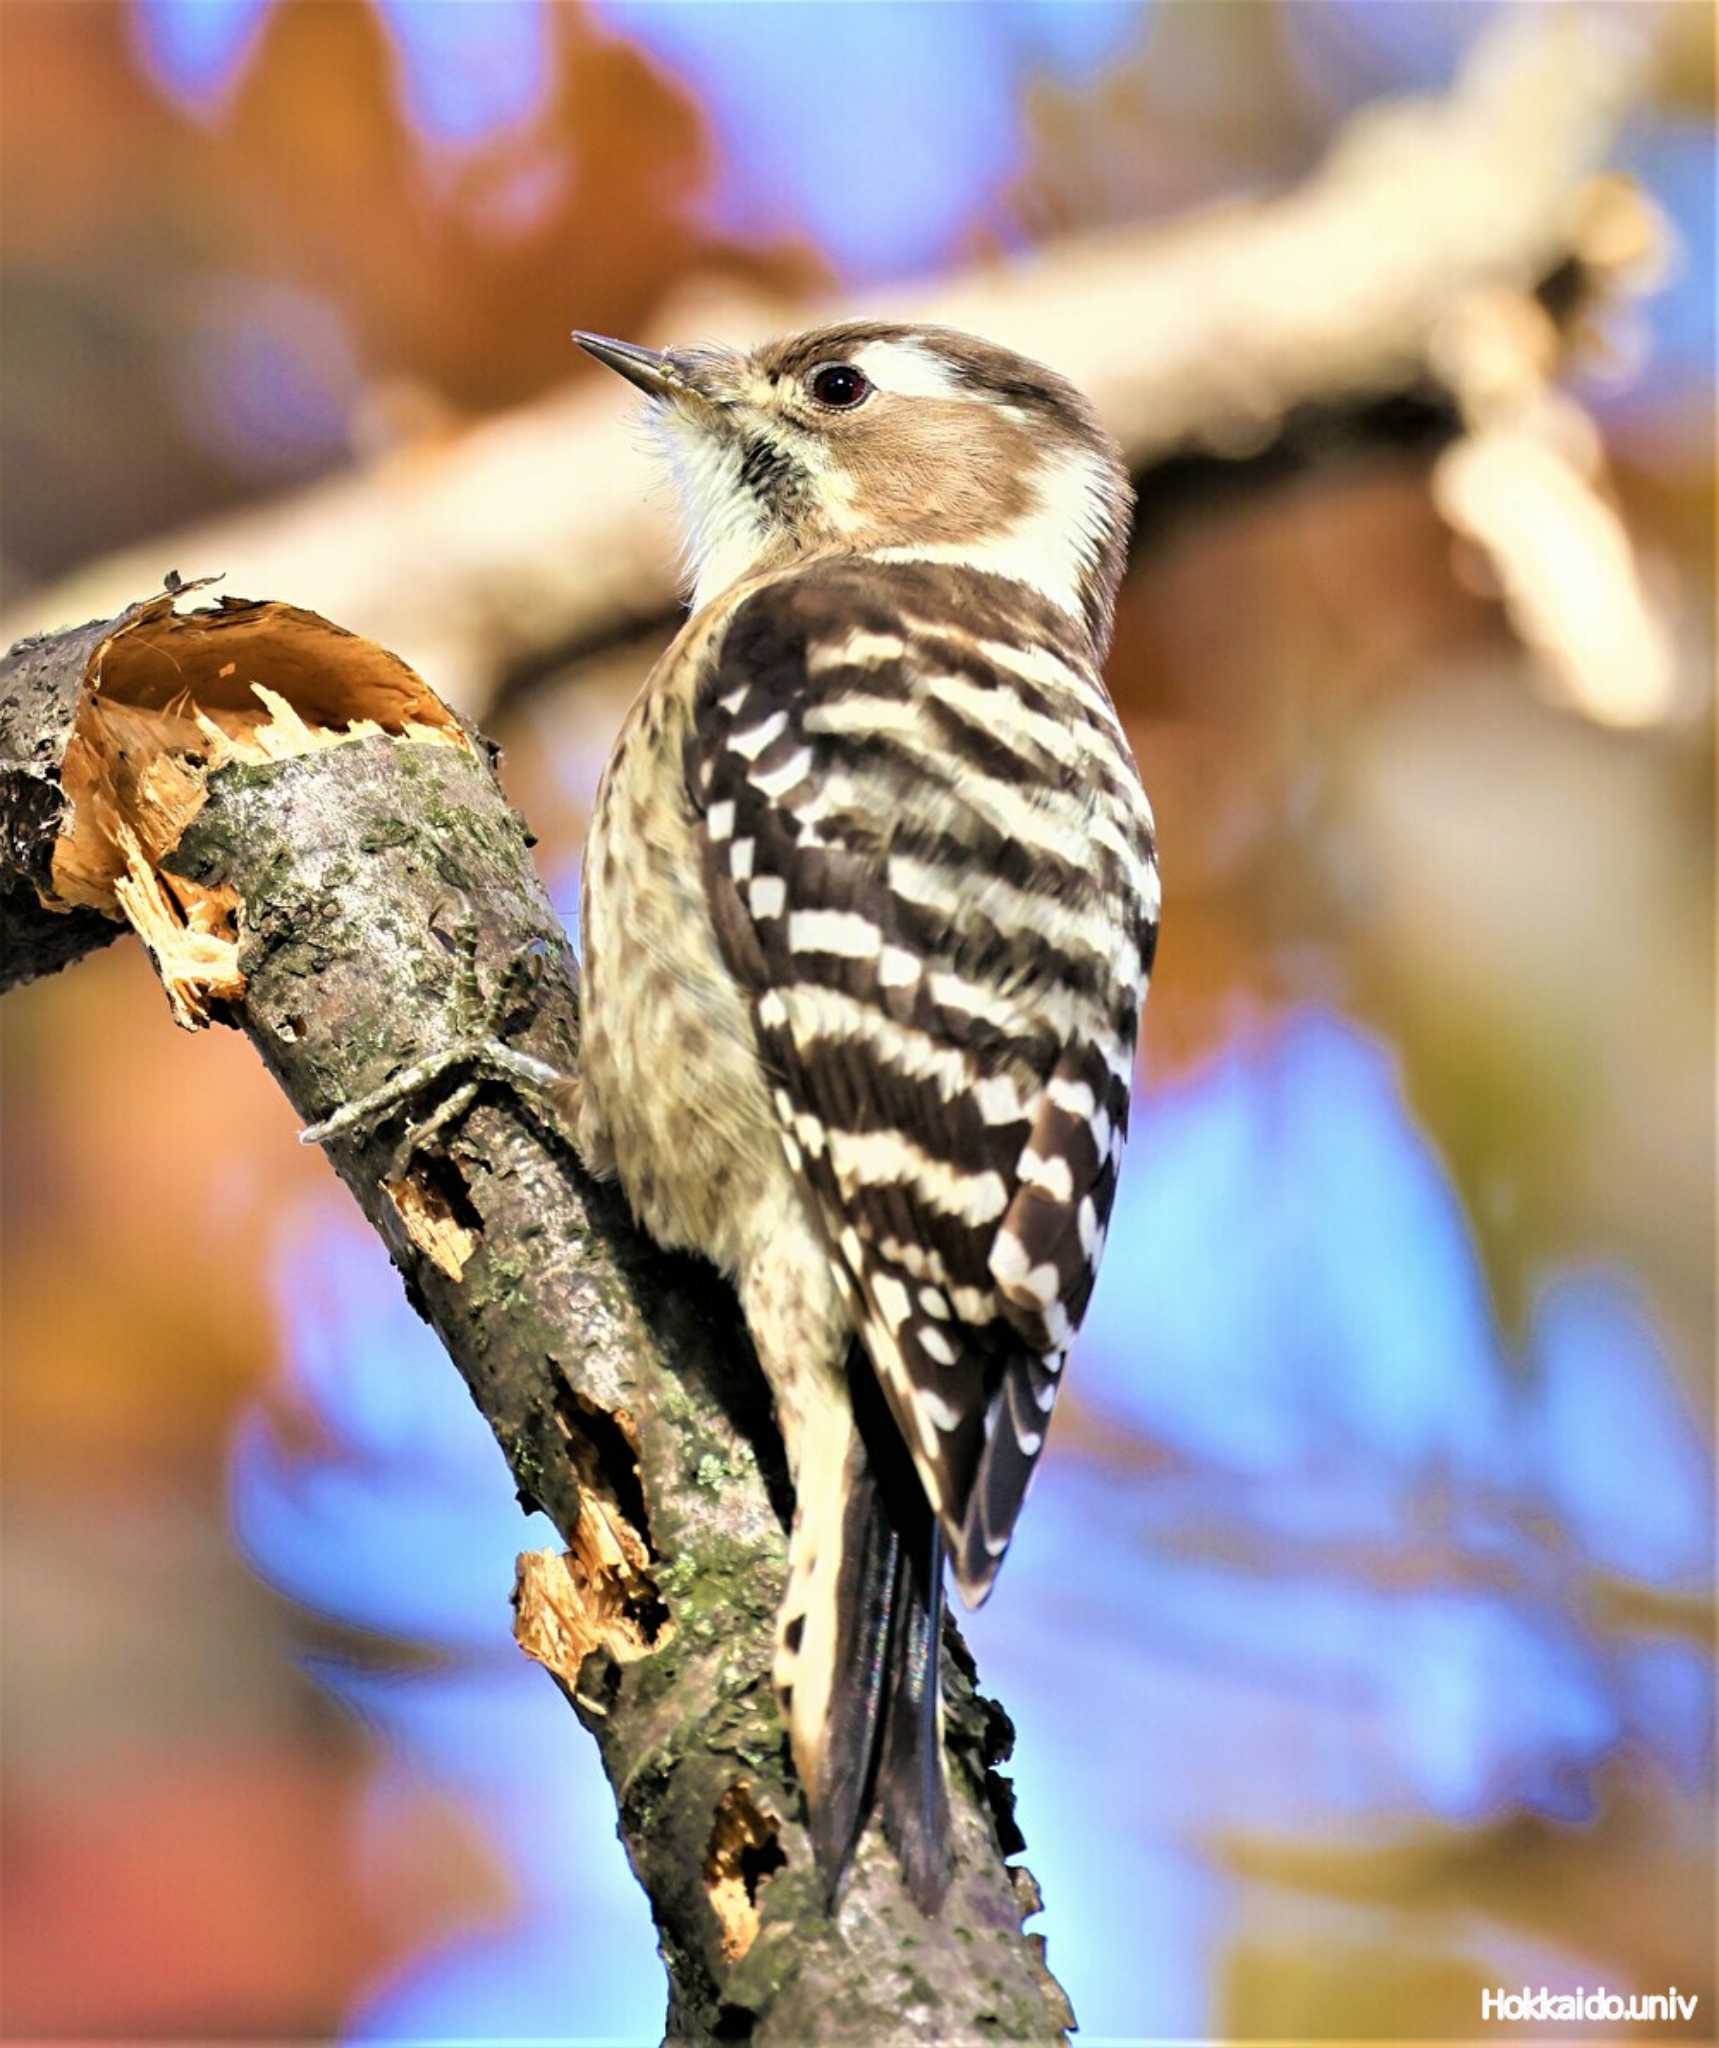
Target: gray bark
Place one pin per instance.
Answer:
(37, 712)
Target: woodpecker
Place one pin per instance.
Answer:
(870, 900)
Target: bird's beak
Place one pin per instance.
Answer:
(648, 368)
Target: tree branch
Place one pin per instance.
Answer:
(316, 851)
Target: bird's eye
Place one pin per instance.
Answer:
(839, 386)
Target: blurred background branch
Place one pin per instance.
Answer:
(1432, 274)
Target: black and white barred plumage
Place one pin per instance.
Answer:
(870, 905)
(928, 864)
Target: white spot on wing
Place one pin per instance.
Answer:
(999, 1100)
(1052, 1175)
(935, 1345)
(1026, 1286)
(860, 649)
(974, 1305)
(1042, 1285)
(823, 1014)
(1086, 1217)
(864, 1158)
(942, 1411)
(1008, 1259)
(776, 782)
(1074, 1096)
(891, 1298)
(927, 1431)
(865, 716)
(842, 932)
(751, 742)
(1016, 912)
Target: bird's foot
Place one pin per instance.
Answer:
(477, 1054)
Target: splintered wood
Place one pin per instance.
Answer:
(742, 1855)
(432, 1225)
(597, 1594)
(169, 699)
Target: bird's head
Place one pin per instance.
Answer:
(912, 442)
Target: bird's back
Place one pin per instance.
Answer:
(929, 860)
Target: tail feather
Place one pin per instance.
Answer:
(913, 1790)
(859, 1655)
(839, 1796)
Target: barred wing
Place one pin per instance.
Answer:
(929, 860)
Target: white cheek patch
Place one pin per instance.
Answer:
(1073, 494)
(908, 370)
(1053, 544)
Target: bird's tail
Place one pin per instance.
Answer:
(859, 1648)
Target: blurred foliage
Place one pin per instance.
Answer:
(449, 275)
